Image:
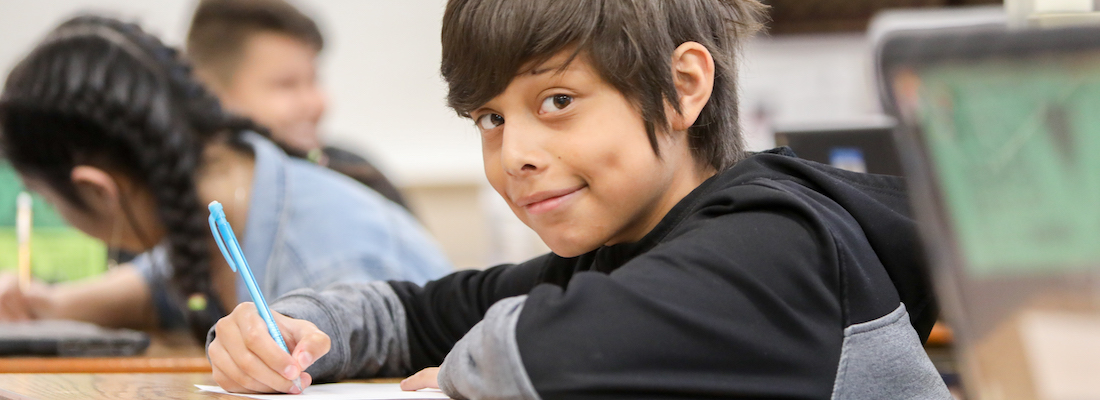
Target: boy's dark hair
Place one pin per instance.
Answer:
(220, 29)
(629, 43)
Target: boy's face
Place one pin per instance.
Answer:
(571, 157)
(275, 84)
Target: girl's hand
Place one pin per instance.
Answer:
(18, 305)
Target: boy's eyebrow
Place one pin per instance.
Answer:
(539, 71)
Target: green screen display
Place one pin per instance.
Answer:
(1016, 150)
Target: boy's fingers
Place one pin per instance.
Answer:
(229, 376)
(245, 358)
(308, 342)
(241, 362)
(307, 379)
(226, 383)
(426, 378)
(257, 339)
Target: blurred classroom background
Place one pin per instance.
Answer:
(813, 72)
(386, 99)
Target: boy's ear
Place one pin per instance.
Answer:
(211, 78)
(693, 75)
(98, 188)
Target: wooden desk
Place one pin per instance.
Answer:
(106, 386)
(167, 352)
(114, 386)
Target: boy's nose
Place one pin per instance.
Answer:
(521, 153)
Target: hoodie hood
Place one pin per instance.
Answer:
(879, 205)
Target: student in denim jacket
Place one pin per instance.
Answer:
(107, 124)
(260, 58)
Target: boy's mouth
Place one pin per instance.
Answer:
(547, 200)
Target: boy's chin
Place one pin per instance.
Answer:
(568, 248)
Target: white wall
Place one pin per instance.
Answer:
(380, 66)
(382, 71)
(805, 80)
(23, 23)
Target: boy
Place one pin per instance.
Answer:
(260, 58)
(681, 267)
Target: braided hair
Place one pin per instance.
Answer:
(101, 92)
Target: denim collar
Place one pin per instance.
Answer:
(267, 208)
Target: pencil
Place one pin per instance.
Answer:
(23, 236)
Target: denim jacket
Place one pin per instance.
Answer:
(310, 227)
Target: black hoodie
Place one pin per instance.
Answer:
(777, 278)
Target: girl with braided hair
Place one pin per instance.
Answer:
(108, 125)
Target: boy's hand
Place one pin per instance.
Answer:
(426, 378)
(245, 358)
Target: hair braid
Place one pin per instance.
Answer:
(131, 103)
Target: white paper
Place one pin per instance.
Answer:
(343, 391)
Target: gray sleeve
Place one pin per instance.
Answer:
(486, 364)
(884, 359)
(365, 322)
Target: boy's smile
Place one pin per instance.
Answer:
(548, 200)
(570, 155)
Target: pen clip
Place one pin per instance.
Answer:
(218, 237)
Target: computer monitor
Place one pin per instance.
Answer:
(1000, 140)
(866, 147)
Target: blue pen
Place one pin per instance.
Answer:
(231, 249)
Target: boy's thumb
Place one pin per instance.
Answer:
(312, 343)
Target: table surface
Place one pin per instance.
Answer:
(169, 369)
(107, 386)
(114, 386)
(167, 352)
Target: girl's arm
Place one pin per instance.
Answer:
(118, 298)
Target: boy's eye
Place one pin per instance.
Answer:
(490, 121)
(555, 103)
